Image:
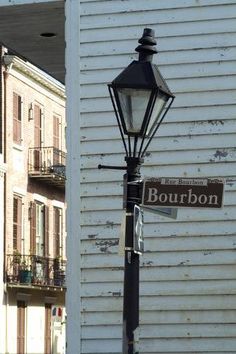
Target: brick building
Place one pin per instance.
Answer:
(33, 111)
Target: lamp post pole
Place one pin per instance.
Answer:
(131, 262)
(141, 99)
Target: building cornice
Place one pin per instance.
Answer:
(31, 71)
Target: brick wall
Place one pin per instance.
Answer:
(17, 182)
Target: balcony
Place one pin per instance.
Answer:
(35, 271)
(48, 165)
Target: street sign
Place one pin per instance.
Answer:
(183, 192)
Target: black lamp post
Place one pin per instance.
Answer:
(141, 99)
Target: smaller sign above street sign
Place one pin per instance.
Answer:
(183, 192)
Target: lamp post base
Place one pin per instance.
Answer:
(131, 303)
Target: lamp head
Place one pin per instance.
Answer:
(139, 93)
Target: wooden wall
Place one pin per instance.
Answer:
(188, 272)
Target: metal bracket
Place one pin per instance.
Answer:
(111, 167)
(129, 249)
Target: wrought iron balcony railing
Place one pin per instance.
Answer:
(47, 163)
(35, 270)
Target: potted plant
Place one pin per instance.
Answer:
(25, 272)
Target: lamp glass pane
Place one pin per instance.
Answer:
(133, 104)
(159, 105)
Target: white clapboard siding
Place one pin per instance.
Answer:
(188, 270)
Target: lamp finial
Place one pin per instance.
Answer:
(147, 47)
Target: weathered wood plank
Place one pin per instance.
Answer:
(216, 115)
(160, 259)
(177, 85)
(158, 16)
(169, 3)
(214, 155)
(111, 202)
(226, 97)
(179, 71)
(168, 273)
(162, 30)
(190, 170)
(163, 244)
(164, 317)
(214, 40)
(160, 227)
(165, 143)
(119, 61)
(194, 345)
(167, 331)
(110, 189)
(161, 288)
(164, 303)
(102, 217)
(166, 129)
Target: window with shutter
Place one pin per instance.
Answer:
(56, 132)
(17, 118)
(32, 228)
(37, 137)
(56, 140)
(37, 126)
(46, 231)
(17, 223)
(40, 229)
(57, 232)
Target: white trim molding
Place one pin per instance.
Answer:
(39, 198)
(19, 191)
(34, 73)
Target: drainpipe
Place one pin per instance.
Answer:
(1, 109)
(4, 69)
(2, 152)
(6, 64)
(4, 104)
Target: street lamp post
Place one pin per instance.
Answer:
(141, 99)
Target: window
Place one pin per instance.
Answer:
(37, 126)
(17, 223)
(39, 229)
(56, 132)
(39, 237)
(56, 141)
(37, 137)
(57, 233)
(17, 118)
